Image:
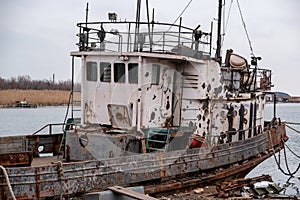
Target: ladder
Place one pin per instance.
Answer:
(189, 83)
(158, 139)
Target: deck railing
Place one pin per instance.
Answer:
(50, 128)
(123, 37)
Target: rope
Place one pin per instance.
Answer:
(292, 128)
(295, 123)
(289, 173)
(286, 163)
(250, 45)
(8, 182)
(292, 151)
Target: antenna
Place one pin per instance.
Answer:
(218, 57)
(86, 14)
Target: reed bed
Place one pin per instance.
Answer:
(38, 97)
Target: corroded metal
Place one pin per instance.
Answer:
(16, 159)
(74, 178)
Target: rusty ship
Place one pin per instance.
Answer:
(159, 109)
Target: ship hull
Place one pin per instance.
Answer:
(152, 170)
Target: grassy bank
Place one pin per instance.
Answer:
(39, 97)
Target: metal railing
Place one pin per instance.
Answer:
(50, 128)
(119, 37)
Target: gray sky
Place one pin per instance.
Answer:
(36, 36)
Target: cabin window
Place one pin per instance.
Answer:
(119, 72)
(155, 74)
(133, 74)
(91, 71)
(105, 72)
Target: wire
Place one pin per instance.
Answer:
(250, 45)
(180, 15)
(292, 128)
(175, 20)
(226, 24)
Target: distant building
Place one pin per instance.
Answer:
(280, 97)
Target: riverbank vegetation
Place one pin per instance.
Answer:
(38, 92)
(37, 97)
(26, 83)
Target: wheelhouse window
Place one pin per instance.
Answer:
(155, 74)
(133, 74)
(91, 71)
(119, 72)
(105, 72)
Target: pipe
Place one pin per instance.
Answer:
(139, 100)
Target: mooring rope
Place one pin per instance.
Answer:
(289, 173)
(286, 163)
(292, 151)
(297, 131)
(294, 123)
(8, 182)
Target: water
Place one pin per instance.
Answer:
(26, 121)
(288, 113)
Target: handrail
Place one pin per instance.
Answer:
(50, 127)
(244, 130)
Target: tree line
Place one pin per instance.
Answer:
(24, 82)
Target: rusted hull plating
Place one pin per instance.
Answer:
(66, 179)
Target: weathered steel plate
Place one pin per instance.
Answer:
(16, 159)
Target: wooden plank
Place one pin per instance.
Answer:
(12, 144)
(130, 193)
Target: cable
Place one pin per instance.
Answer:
(64, 124)
(286, 163)
(292, 151)
(250, 45)
(292, 128)
(226, 24)
(176, 20)
(180, 15)
(8, 182)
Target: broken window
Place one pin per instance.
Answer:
(91, 71)
(155, 74)
(133, 74)
(105, 72)
(119, 72)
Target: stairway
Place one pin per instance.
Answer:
(158, 139)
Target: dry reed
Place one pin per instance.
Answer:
(38, 97)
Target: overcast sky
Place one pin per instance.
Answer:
(36, 36)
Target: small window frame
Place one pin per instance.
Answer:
(91, 71)
(119, 73)
(105, 72)
(133, 73)
(155, 76)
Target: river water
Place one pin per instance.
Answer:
(27, 121)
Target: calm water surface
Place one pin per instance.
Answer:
(288, 113)
(26, 121)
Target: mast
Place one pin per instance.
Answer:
(218, 57)
(137, 25)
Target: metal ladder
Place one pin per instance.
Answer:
(189, 81)
(158, 139)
